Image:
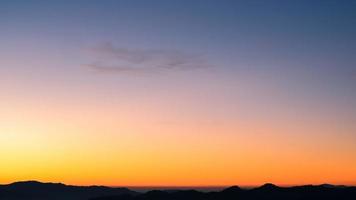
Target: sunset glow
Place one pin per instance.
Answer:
(177, 94)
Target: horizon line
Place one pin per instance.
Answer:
(180, 186)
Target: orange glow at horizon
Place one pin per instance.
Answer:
(61, 144)
(178, 93)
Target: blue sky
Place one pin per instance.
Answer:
(308, 45)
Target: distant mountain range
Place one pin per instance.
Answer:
(33, 190)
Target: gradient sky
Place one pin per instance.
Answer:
(178, 92)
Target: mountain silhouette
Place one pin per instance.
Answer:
(33, 190)
(268, 186)
(232, 189)
(264, 192)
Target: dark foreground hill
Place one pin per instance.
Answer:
(265, 192)
(33, 190)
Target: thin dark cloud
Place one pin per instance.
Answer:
(98, 67)
(110, 59)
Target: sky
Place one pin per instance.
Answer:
(178, 93)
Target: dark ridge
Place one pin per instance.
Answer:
(27, 182)
(34, 190)
(268, 186)
(34, 184)
(332, 186)
(265, 192)
(232, 189)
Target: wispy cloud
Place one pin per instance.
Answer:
(111, 59)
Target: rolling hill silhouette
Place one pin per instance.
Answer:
(33, 190)
(265, 192)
